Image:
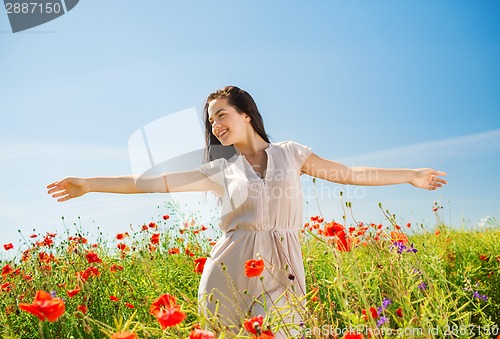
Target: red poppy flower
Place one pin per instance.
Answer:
(398, 237)
(343, 243)
(45, 307)
(7, 269)
(113, 298)
(166, 217)
(129, 305)
(92, 271)
(155, 238)
(353, 335)
(174, 250)
(201, 334)
(254, 268)
(163, 301)
(8, 246)
(315, 294)
(483, 257)
(47, 241)
(6, 287)
(34, 235)
(332, 228)
(252, 323)
(46, 258)
(115, 267)
(152, 224)
(120, 236)
(399, 312)
(199, 265)
(373, 313)
(89, 272)
(170, 316)
(93, 258)
(82, 308)
(124, 335)
(72, 293)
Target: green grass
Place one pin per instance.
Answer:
(436, 289)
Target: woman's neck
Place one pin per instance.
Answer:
(252, 147)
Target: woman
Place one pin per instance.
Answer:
(258, 185)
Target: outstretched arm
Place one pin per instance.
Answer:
(368, 176)
(189, 181)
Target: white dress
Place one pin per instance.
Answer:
(260, 218)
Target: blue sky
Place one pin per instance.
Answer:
(386, 83)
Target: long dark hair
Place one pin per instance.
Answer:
(243, 103)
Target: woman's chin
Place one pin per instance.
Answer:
(224, 143)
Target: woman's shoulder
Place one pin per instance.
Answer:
(288, 144)
(214, 165)
(294, 150)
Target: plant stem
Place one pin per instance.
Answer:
(40, 329)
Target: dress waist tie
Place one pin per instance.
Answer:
(283, 257)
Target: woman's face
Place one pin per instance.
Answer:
(229, 126)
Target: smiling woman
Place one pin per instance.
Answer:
(258, 183)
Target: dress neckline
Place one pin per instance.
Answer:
(267, 163)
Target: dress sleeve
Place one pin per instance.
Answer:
(299, 153)
(214, 170)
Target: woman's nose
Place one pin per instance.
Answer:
(215, 125)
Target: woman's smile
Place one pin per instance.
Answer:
(222, 133)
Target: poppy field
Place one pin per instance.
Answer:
(364, 280)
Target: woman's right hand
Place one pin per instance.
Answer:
(68, 188)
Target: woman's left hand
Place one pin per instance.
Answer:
(428, 178)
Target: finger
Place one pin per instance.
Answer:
(65, 198)
(54, 184)
(434, 185)
(55, 189)
(440, 173)
(442, 181)
(60, 194)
